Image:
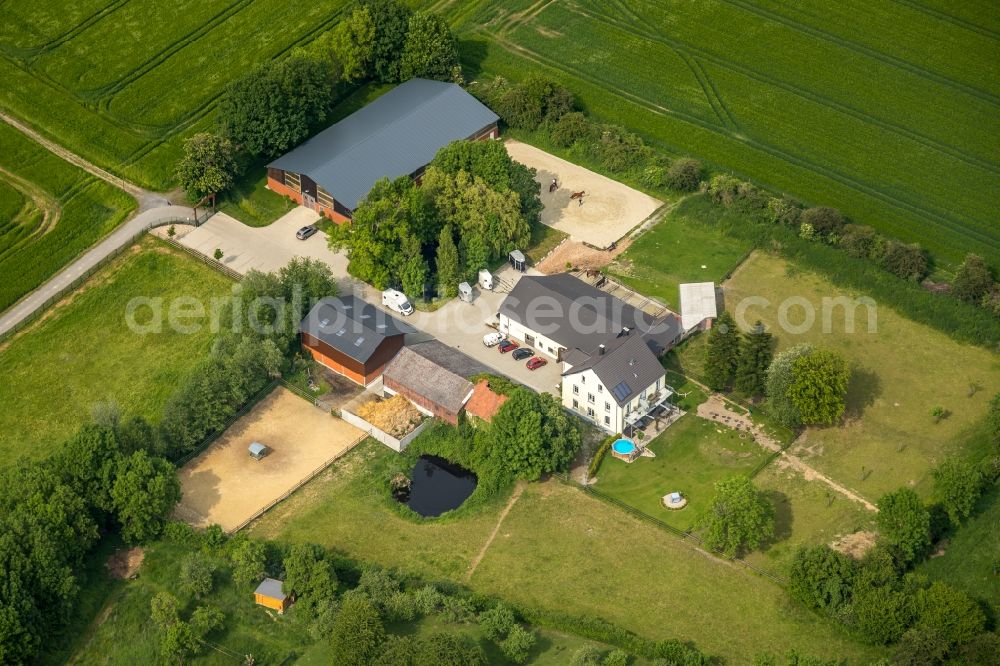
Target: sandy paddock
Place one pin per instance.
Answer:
(609, 211)
(224, 485)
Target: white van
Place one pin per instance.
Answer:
(492, 339)
(397, 302)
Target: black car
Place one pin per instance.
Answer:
(305, 232)
(522, 353)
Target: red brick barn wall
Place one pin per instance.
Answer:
(417, 399)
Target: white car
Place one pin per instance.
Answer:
(492, 339)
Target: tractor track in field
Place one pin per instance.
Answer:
(816, 98)
(948, 18)
(932, 218)
(32, 53)
(42, 200)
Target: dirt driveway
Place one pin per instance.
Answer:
(609, 211)
(224, 485)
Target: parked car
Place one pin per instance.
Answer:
(305, 232)
(535, 363)
(522, 353)
(397, 300)
(507, 346)
(492, 339)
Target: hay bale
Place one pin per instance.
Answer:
(395, 415)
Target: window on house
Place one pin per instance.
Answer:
(576, 390)
(292, 181)
(583, 380)
(590, 398)
(607, 406)
(600, 388)
(576, 404)
(590, 412)
(607, 420)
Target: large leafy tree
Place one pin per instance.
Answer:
(957, 485)
(413, 274)
(821, 578)
(309, 575)
(739, 517)
(722, 353)
(430, 50)
(904, 523)
(352, 43)
(208, 166)
(819, 386)
(391, 21)
(475, 254)
(754, 359)
(248, 558)
(275, 106)
(779, 378)
(145, 492)
(530, 435)
(357, 632)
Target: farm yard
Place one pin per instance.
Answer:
(81, 352)
(50, 212)
(624, 570)
(225, 486)
(810, 102)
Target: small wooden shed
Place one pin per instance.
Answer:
(270, 595)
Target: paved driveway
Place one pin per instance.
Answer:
(262, 248)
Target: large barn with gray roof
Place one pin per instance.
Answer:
(396, 135)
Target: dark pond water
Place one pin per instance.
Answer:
(438, 485)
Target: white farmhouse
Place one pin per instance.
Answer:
(609, 350)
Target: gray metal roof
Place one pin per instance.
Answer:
(271, 587)
(256, 448)
(576, 314)
(395, 135)
(428, 379)
(351, 326)
(625, 369)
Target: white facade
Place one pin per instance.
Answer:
(585, 394)
(530, 338)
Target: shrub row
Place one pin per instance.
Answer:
(602, 450)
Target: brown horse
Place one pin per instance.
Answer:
(577, 195)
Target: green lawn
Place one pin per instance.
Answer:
(691, 456)
(678, 249)
(805, 100)
(82, 352)
(900, 372)
(971, 559)
(560, 550)
(50, 212)
(252, 203)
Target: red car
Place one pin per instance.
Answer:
(535, 362)
(507, 346)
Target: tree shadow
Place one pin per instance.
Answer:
(783, 518)
(472, 52)
(863, 388)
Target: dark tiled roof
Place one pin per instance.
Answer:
(395, 135)
(426, 378)
(578, 315)
(351, 326)
(625, 368)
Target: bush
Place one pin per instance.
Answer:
(518, 644)
(723, 189)
(905, 261)
(497, 622)
(196, 575)
(599, 454)
(825, 221)
(357, 632)
(570, 128)
(957, 485)
(784, 211)
(588, 655)
(904, 523)
(616, 658)
(619, 150)
(821, 578)
(684, 174)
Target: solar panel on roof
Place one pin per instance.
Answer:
(341, 332)
(357, 343)
(621, 391)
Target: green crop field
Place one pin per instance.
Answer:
(82, 352)
(122, 83)
(625, 571)
(50, 212)
(895, 118)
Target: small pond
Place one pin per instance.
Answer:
(437, 485)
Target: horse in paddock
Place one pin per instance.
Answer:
(577, 195)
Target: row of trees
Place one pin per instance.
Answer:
(473, 206)
(275, 106)
(538, 104)
(883, 604)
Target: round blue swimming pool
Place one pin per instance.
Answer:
(623, 446)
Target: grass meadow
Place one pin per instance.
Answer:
(805, 100)
(50, 212)
(901, 371)
(81, 352)
(622, 570)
